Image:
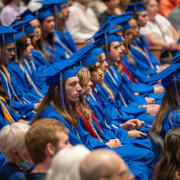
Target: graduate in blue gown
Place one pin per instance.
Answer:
(19, 99)
(52, 46)
(168, 116)
(56, 105)
(119, 84)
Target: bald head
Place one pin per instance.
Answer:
(104, 165)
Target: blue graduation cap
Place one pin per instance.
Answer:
(28, 29)
(7, 35)
(170, 76)
(176, 59)
(43, 13)
(135, 7)
(97, 51)
(114, 20)
(58, 72)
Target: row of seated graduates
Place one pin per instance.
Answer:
(26, 92)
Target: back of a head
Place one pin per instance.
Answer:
(12, 137)
(99, 164)
(65, 164)
(169, 163)
(41, 133)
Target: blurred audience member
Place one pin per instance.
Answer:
(12, 138)
(82, 22)
(168, 168)
(111, 7)
(159, 32)
(174, 19)
(66, 163)
(43, 140)
(104, 165)
(165, 6)
(12, 9)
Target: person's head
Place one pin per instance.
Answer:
(83, 2)
(152, 8)
(168, 102)
(104, 165)
(102, 59)
(37, 29)
(128, 36)
(85, 81)
(48, 25)
(12, 144)
(96, 73)
(169, 165)
(24, 47)
(72, 89)
(45, 138)
(112, 4)
(142, 18)
(65, 164)
(10, 50)
(116, 51)
(6, 2)
(2, 54)
(134, 28)
(65, 11)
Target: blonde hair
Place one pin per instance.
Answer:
(82, 106)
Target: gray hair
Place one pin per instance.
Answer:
(12, 137)
(65, 164)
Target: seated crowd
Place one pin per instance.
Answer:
(80, 89)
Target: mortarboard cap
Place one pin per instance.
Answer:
(135, 7)
(170, 76)
(8, 33)
(176, 59)
(97, 51)
(28, 29)
(43, 13)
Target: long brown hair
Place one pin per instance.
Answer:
(39, 47)
(103, 83)
(169, 163)
(127, 51)
(52, 96)
(168, 102)
(48, 40)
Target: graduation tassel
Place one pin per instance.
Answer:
(15, 49)
(4, 46)
(176, 91)
(56, 16)
(62, 91)
(106, 46)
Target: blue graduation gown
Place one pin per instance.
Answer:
(172, 120)
(139, 76)
(66, 39)
(126, 112)
(143, 45)
(22, 81)
(58, 53)
(18, 98)
(142, 156)
(141, 61)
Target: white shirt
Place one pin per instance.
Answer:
(82, 22)
(10, 12)
(153, 28)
